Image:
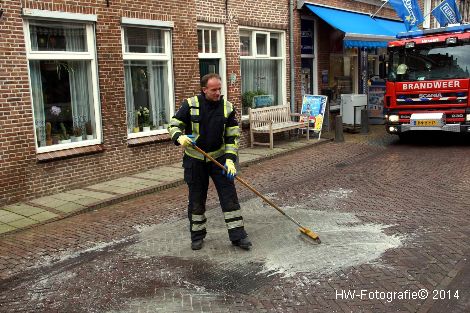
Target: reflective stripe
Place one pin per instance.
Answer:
(197, 227)
(231, 149)
(232, 131)
(228, 108)
(194, 105)
(198, 217)
(175, 126)
(232, 214)
(235, 224)
(176, 122)
(190, 151)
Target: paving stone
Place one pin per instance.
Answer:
(7, 217)
(43, 216)
(91, 194)
(4, 228)
(49, 201)
(22, 222)
(23, 209)
(69, 207)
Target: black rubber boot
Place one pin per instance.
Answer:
(197, 244)
(244, 243)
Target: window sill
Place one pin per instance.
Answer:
(148, 139)
(68, 153)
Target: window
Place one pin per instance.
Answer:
(262, 64)
(148, 80)
(62, 71)
(211, 51)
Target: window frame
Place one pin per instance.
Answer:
(89, 55)
(282, 56)
(137, 56)
(219, 28)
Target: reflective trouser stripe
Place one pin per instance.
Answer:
(235, 224)
(198, 217)
(198, 222)
(198, 227)
(232, 214)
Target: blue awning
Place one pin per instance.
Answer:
(360, 30)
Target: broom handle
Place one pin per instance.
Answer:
(248, 186)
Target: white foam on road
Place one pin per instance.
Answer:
(277, 243)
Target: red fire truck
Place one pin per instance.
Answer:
(428, 81)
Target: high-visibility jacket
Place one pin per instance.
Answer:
(213, 125)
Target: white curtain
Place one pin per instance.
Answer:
(261, 75)
(38, 102)
(129, 98)
(158, 88)
(38, 96)
(78, 76)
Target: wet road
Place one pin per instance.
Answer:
(393, 218)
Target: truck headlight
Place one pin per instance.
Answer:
(467, 117)
(393, 118)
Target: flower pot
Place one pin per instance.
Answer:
(65, 141)
(135, 129)
(76, 138)
(89, 137)
(146, 128)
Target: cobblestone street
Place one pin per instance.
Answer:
(393, 218)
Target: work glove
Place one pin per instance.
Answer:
(186, 140)
(230, 170)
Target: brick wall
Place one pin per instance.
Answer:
(23, 177)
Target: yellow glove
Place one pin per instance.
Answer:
(186, 141)
(231, 171)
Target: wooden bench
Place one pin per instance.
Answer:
(271, 120)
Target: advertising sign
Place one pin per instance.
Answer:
(314, 106)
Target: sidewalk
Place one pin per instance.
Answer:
(18, 216)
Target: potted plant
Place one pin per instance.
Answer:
(136, 122)
(64, 136)
(144, 114)
(89, 131)
(77, 134)
(48, 134)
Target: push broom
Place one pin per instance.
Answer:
(304, 230)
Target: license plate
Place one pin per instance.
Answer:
(426, 123)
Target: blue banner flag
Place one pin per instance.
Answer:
(447, 13)
(409, 12)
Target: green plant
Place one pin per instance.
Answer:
(247, 97)
(88, 128)
(144, 116)
(77, 131)
(48, 131)
(63, 135)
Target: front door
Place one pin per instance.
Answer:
(207, 66)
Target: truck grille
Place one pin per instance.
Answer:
(455, 98)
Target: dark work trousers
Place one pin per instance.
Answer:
(196, 175)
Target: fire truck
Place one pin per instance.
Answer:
(428, 81)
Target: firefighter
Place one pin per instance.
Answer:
(208, 120)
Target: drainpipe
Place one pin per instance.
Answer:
(292, 54)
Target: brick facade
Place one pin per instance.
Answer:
(23, 176)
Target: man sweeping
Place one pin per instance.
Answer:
(208, 120)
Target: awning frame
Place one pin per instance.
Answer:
(382, 25)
